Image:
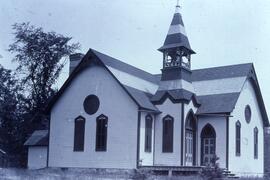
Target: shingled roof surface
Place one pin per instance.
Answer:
(117, 64)
(142, 98)
(221, 72)
(38, 138)
(217, 103)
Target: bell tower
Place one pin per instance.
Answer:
(176, 97)
(176, 50)
(176, 73)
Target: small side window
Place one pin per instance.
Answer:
(148, 133)
(238, 138)
(256, 143)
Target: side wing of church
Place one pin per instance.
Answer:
(109, 114)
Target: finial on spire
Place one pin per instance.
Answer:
(178, 7)
(178, 4)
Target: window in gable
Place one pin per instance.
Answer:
(79, 129)
(148, 133)
(91, 104)
(248, 113)
(101, 133)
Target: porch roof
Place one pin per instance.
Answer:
(38, 138)
(217, 103)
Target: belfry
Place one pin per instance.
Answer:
(176, 74)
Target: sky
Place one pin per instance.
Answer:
(220, 32)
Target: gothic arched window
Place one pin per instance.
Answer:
(208, 145)
(148, 133)
(190, 139)
(238, 138)
(101, 133)
(79, 129)
(167, 137)
(256, 143)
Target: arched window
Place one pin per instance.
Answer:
(256, 143)
(101, 133)
(190, 139)
(79, 129)
(167, 137)
(148, 133)
(208, 145)
(238, 138)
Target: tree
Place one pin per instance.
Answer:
(9, 109)
(41, 57)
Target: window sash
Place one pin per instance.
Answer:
(238, 139)
(148, 134)
(79, 130)
(167, 144)
(101, 133)
(255, 144)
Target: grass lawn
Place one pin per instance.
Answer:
(85, 174)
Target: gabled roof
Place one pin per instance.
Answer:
(226, 72)
(38, 138)
(217, 103)
(207, 101)
(96, 57)
(117, 64)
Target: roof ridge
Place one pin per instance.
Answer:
(223, 66)
(219, 94)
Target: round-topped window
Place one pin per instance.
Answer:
(248, 113)
(91, 104)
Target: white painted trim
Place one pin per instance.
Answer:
(176, 84)
(178, 28)
(146, 158)
(133, 81)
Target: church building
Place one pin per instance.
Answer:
(109, 114)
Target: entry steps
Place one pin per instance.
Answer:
(229, 174)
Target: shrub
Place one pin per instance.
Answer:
(212, 171)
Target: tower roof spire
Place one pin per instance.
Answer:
(177, 37)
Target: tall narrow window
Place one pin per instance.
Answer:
(148, 133)
(167, 138)
(101, 133)
(255, 143)
(79, 129)
(238, 138)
